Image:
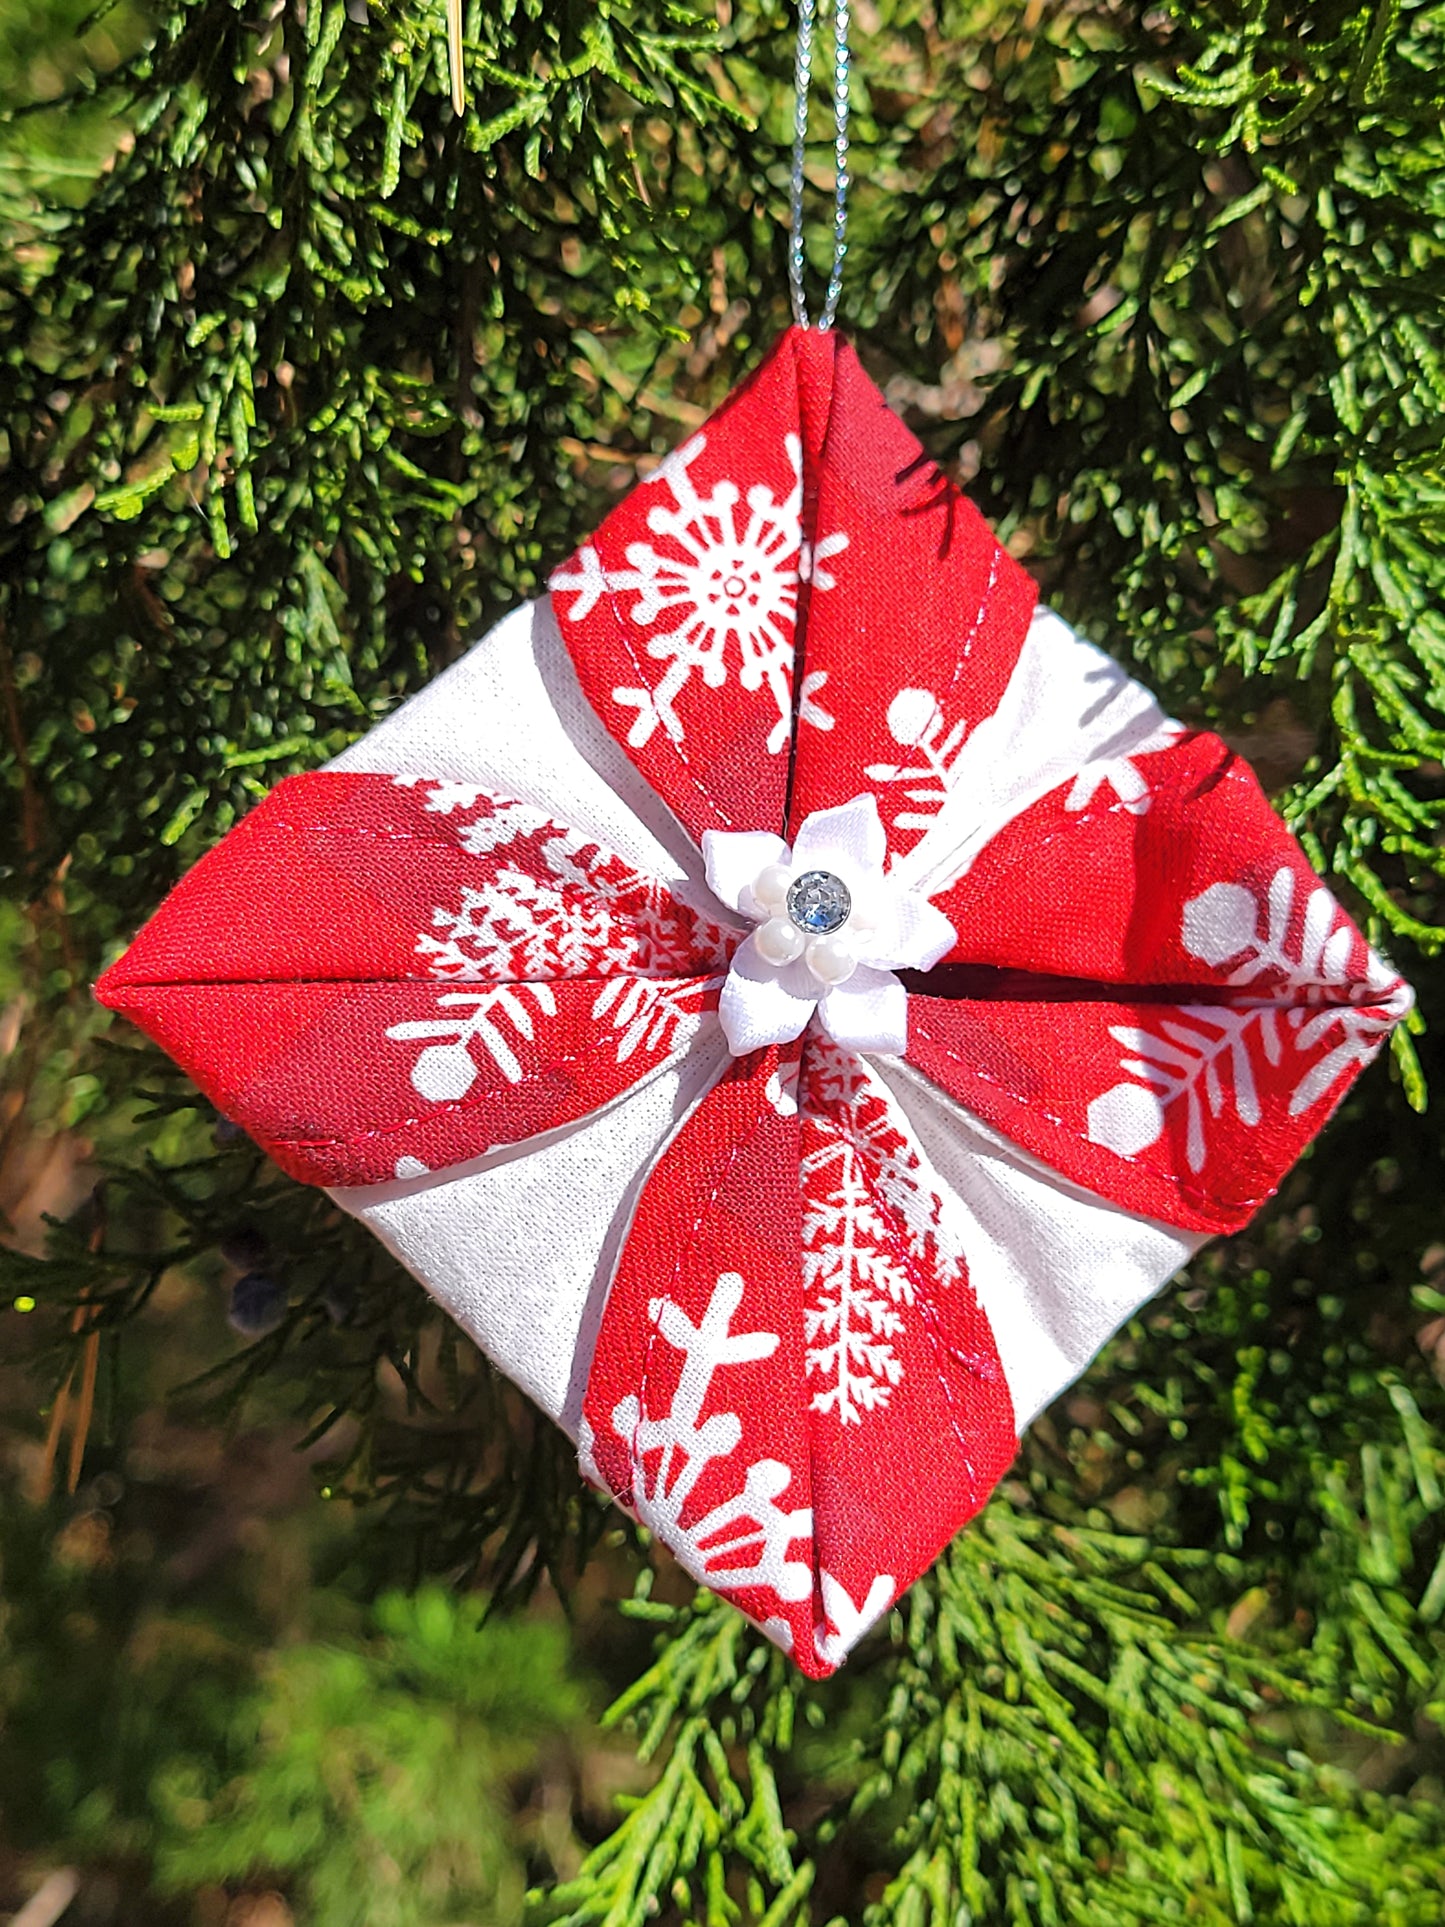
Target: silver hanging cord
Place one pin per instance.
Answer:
(802, 80)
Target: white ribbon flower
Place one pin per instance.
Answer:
(832, 928)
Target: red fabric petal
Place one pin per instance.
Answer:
(802, 521)
(1085, 884)
(1190, 1114)
(312, 975)
(1183, 1001)
(694, 1414)
(680, 614)
(914, 616)
(799, 1395)
(446, 1073)
(911, 1421)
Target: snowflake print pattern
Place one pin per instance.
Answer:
(872, 1235)
(916, 722)
(743, 1540)
(492, 1020)
(646, 1014)
(550, 906)
(795, 1301)
(1122, 774)
(723, 571)
(849, 1621)
(1303, 983)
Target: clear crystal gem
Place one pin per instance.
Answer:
(819, 902)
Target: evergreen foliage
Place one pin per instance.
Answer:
(369, 1775)
(321, 376)
(372, 1771)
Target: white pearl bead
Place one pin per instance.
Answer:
(778, 941)
(830, 960)
(771, 889)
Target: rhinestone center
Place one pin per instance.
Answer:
(818, 902)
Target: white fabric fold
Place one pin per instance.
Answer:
(763, 1003)
(848, 837)
(1056, 1269)
(511, 717)
(520, 1246)
(1067, 705)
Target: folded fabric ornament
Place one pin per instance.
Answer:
(785, 994)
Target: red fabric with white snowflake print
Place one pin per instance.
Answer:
(797, 1296)
(681, 612)
(684, 613)
(1080, 884)
(682, 1418)
(451, 1072)
(1187, 1113)
(503, 975)
(904, 572)
(813, 1513)
(910, 1421)
(1185, 1107)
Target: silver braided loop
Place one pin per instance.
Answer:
(802, 81)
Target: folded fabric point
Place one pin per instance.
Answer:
(578, 980)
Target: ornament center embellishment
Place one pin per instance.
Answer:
(831, 928)
(818, 902)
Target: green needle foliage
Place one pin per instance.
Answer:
(320, 376)
(371, 1774)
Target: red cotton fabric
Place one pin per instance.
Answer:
(826, 1245)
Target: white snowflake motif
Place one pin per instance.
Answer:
(445, 1072)
(916, 722)
(781, 1089)
(849, 1621)
(1308, 988)
(651, 1013)
(749, 1526)
(549, 905)
(563, 907)
(836, 1609)
(1122, 774)
(442, 797)
(868, 1210)
(728, 582)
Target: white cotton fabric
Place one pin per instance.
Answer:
(511, 716)
(1056, 1269)
(520, 1246)
(1066, 705)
